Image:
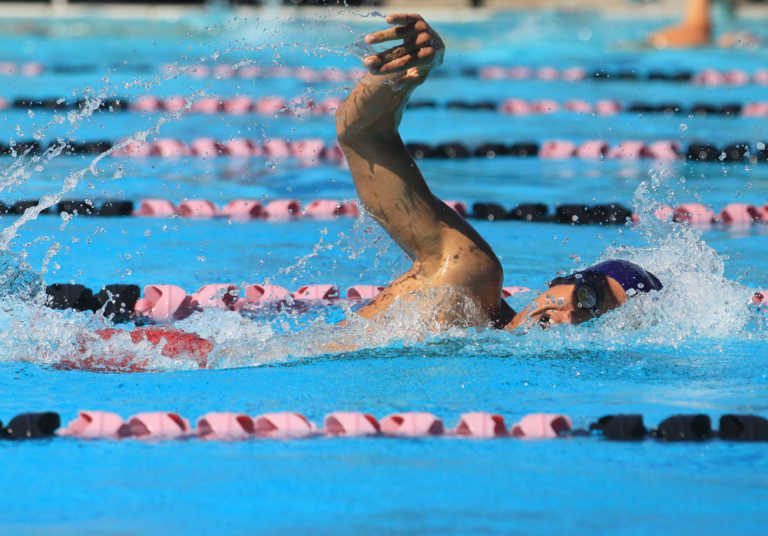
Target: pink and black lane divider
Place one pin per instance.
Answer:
(546, 73)
(704, 77)
(289, 425)
(282, 210)
(710, 77)
(165, 302)
(291, 209)
(315, 151)
(272, 105)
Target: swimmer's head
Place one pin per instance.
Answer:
(588, 294)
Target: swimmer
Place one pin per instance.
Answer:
(696, 31)
(447, 252)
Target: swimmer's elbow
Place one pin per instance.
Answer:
(349, 131)
(358, 129)
(343, 132)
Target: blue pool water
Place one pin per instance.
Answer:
(698, 349)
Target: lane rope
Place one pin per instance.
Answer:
(283, 210)
(315, 151)
(285, 425)
(301, 106)
(164, 302)
(544, 73)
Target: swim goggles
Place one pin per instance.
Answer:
(586, 293)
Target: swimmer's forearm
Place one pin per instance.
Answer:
(374, 108)
(387, 179)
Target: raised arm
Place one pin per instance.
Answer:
(386, 177)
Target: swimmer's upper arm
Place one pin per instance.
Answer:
(394, 191)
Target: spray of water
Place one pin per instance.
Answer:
(697, 303)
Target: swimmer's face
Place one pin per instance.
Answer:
(565, 303)
(558, 305)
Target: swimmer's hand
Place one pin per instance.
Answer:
(421, 51)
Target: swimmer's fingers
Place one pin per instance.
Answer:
(390, 34)
(401, 58)
(407, 32)
(404, 18)
(375, 63)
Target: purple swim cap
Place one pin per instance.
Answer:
(629, 275)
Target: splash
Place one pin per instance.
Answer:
(698, 304)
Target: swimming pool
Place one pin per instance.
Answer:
(699, 350)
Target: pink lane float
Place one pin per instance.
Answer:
(247, 209)
(227, 426)
(300, 106)
(223, 71)
(313, 151)
(162, 303)
(696, 214)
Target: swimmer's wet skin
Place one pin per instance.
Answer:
(447, 252)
